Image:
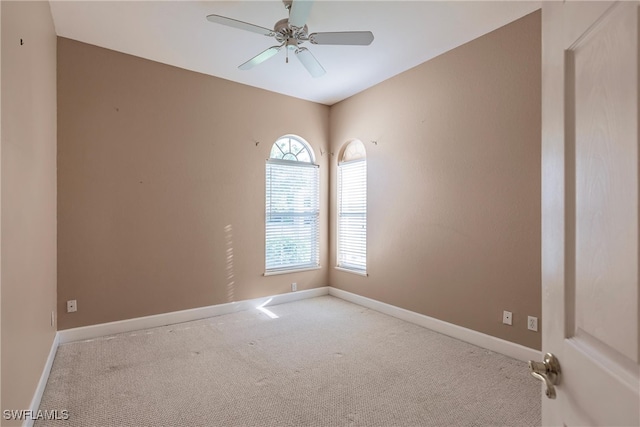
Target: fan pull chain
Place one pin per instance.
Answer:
(287, 57)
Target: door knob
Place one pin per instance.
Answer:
(547, 371)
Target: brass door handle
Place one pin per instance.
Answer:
(547, 371)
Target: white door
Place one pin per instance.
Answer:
(590, 215)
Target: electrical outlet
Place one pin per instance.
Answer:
(294, 287)
(507, 317)
(532, 323)
(72, 306)
(53, 318)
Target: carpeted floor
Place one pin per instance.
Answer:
(322, 362)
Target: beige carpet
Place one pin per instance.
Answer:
(322, 362)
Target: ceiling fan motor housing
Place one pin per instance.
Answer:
(285, 33)
(292, 44)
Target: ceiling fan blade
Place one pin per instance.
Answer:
(229, 22)
(260, 58)
(310, 62)
(299, 12)
(358, 38)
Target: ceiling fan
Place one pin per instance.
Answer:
(291, 33)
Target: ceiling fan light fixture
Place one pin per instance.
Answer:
(292, 44)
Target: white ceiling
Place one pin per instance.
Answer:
(407, 33)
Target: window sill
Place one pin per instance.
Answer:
(294, 270)
(348, 270)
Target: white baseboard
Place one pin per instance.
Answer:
(129, 325)
(37, 396)
(489, 342)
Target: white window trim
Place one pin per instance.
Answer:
(293, 162)
(295, 270)
(353, 271)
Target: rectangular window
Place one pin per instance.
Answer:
(292, 216)
(352, 215)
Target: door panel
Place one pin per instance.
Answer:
(596, 392)
(590, 218)
(604, 102)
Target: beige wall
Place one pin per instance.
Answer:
(161, 186)
(454, 184)
(28, 197)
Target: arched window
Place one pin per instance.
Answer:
(292, 207)
(290, 147)
(352, 208)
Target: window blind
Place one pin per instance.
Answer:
(352, 215)
(292, 216)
